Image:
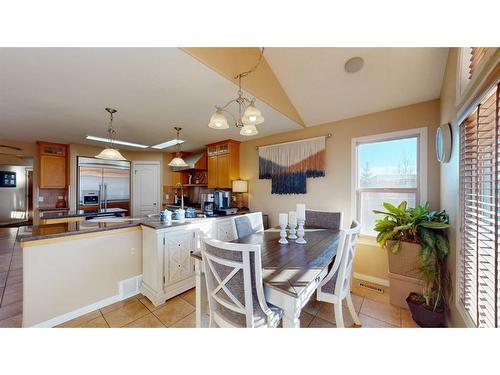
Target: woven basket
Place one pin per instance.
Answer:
(406, 261)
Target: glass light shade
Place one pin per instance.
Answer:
(249, 130)
(177, 162)
(240, 186)
(252, 115)
(218, 121)
(110, 154)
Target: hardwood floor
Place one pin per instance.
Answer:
(179, 312)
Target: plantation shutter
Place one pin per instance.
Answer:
(479, 179)
(476, 55)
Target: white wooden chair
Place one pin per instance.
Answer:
(235, 291)
(336, 286)
(249, 224)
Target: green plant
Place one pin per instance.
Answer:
(419, 225)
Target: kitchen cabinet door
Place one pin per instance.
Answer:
(177, 256)
(223, 178)
(212, 171)
(52, 171)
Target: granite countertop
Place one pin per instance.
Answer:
(56, 215)
(42, 232)
(48, 209)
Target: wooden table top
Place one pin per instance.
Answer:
(292, 267)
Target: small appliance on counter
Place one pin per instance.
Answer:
(207, 204)
(222, 199)
(226, 211)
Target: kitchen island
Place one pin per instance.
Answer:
(71, 269)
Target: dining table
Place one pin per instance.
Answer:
(291, 272)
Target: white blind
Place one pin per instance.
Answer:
(479, 180)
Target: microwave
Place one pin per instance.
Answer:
(90, 198)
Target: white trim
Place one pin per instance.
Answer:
(421, 133)
(92, 307)
(160, 182)
(371, 279)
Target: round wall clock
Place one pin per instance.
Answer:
(443, 143)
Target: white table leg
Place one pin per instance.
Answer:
(291, 319)
(201, 296)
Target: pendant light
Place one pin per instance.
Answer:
(248, 114)
(178, 161)
(110, 153)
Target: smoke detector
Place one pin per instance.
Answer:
(354, 64)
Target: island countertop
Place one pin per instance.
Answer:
(50, 231)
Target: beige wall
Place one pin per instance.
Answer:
(63, 276)
(334, 191)
(86, 150)
(450, 189)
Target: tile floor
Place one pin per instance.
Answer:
(373, 308)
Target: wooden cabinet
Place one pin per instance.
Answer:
(223, 163)
(53, 165)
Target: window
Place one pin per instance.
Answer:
(388, 168)
(479, 178)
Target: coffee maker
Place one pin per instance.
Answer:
(223, 203)
(207, 204)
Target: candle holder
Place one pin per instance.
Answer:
(283, 240)
(293, 231)
(300, 232)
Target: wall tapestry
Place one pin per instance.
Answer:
(289, 164)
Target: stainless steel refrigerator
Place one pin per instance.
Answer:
(103, 184)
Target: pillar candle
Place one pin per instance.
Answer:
(292, 218)
(283, 219)
(301, 211)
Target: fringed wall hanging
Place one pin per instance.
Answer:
(289, 164)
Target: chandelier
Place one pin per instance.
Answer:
(178, 161)
(248, 114)
(110, 153)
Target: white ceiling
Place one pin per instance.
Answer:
(321, 90)
(60, 95)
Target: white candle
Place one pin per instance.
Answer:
(283, 219)
(301, 211)
(292, 218)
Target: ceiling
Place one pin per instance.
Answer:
(322, 91)
(59, 94)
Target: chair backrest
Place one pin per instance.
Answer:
(249, 224)
(342, 266)
(234, 282)
(324, 219)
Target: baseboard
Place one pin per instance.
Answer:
(125, 292)
(371, 279)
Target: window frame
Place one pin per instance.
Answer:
(422, 150)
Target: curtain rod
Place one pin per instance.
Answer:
(329, 135)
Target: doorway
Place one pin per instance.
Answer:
(146, 196)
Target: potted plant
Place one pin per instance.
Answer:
(419, 226)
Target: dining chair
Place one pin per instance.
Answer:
(249, 224)
(235, 290)
(324, 219)
(336, 286)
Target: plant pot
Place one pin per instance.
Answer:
(406, 261)
(424, 316)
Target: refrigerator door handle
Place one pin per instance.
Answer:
(100, 196)
(105, 196)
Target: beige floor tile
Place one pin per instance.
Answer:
(312, 307)
(80, 320)
(147, 321)
(406, 320)
(174, 310)
(12, 322)
(189, 296)
(187, 322)
(117, 305)
(98, 322)
(130, 311)
(326, 312)
(305, 319)
(146, 302)
(381, 311)
(317, 322)
(369, 322)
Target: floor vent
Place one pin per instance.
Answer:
(371, 287)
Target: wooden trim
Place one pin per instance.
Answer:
(48, 241)
(59, 220)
